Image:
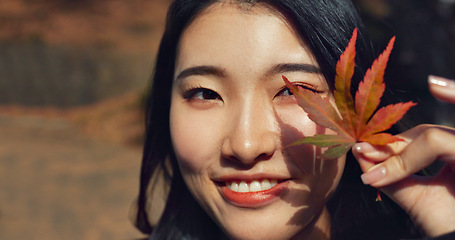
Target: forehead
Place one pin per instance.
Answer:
(219, 12)
(227, 30)
(236, 8)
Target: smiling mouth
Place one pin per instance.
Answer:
(251, 186)
(253, 193)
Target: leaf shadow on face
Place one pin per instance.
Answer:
(304, 158)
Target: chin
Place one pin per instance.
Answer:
(278, 221)
(249, 232)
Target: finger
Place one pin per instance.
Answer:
(377, 153)
(431, 144)
(442, 88)
(368, 155)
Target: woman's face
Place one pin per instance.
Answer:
(232, 118)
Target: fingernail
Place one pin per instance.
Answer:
(368, 150)
(441, 82)
(373, 175)
(364, 147)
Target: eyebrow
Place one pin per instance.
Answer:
(279, 68)
(202, 71)
(294, 67)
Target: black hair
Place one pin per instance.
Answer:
(326, 27)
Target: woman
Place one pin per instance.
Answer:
(219, 118)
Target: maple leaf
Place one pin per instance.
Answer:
(352, 120)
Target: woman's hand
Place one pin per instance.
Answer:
(429, 200)
(442, 88)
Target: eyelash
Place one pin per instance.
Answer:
(191, 92)
(304, 86)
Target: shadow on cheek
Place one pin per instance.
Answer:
(320, 176)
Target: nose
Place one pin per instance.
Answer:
(251, 135)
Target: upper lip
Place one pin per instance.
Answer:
(249, 177)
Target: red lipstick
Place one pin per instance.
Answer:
(254, 199)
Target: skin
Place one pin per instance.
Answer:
(234, 117)
(430, 200)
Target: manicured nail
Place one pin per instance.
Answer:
(441, 82)
(370, 151)
(373, 175)
(364, 147)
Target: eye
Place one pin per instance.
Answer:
(200, 93)
(286, 92)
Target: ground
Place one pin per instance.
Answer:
(72, 173)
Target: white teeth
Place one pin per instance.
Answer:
(273, 183)
(234, 186)
(265, 184)
(243, 187)
(253, 186)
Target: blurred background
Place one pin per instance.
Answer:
(73, 75)
(425, 44)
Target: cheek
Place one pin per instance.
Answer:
(322, 176)
(327, 176)
(295, 124)
(194, 138)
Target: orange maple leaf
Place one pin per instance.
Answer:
(354, 121)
